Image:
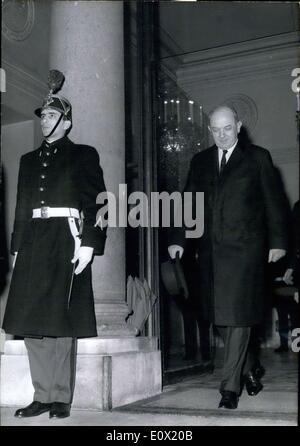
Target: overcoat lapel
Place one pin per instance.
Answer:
(215, 161)
(214, 168)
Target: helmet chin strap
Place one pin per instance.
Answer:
(55, 127)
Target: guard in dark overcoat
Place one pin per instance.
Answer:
(55, 237)
(244, 218)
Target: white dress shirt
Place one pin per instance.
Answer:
(228, 154)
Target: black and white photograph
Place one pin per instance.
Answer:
(149, 216)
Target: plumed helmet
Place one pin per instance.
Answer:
(53, 100)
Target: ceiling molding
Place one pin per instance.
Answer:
(242, 48)
(24, 81)
(269, 57)
(170, 57)
(169, 46)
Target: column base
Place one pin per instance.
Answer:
(110, 373)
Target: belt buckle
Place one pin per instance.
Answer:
(44, 212)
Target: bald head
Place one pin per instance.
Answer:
(223, 109)
(224, 126)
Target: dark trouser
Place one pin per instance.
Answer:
(236, 359)
(52, 367)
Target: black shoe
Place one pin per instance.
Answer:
(60, 410)
(33, 410)
(229, 399)
(281, 349)
(253, 385)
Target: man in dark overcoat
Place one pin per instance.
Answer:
(244, 226)
(55, 237)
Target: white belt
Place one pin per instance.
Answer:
(47, 212)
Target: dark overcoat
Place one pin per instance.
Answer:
(243, 218)
(63, 174)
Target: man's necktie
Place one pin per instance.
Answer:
(223, 161)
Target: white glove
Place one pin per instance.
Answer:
(14, 259)
(276, 254)
(288, 276)
(173, 249)
(84, 255)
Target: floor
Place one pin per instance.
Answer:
(193, 401)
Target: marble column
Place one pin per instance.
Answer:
(87, 46)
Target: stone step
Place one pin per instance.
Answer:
(109, 373)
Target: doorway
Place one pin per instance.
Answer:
(189, 57)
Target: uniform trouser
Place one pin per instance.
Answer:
(236, 359)
(52, 366)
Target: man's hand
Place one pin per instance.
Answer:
(288, 276)
(276, 254)
(173, 249)
(84, 255)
